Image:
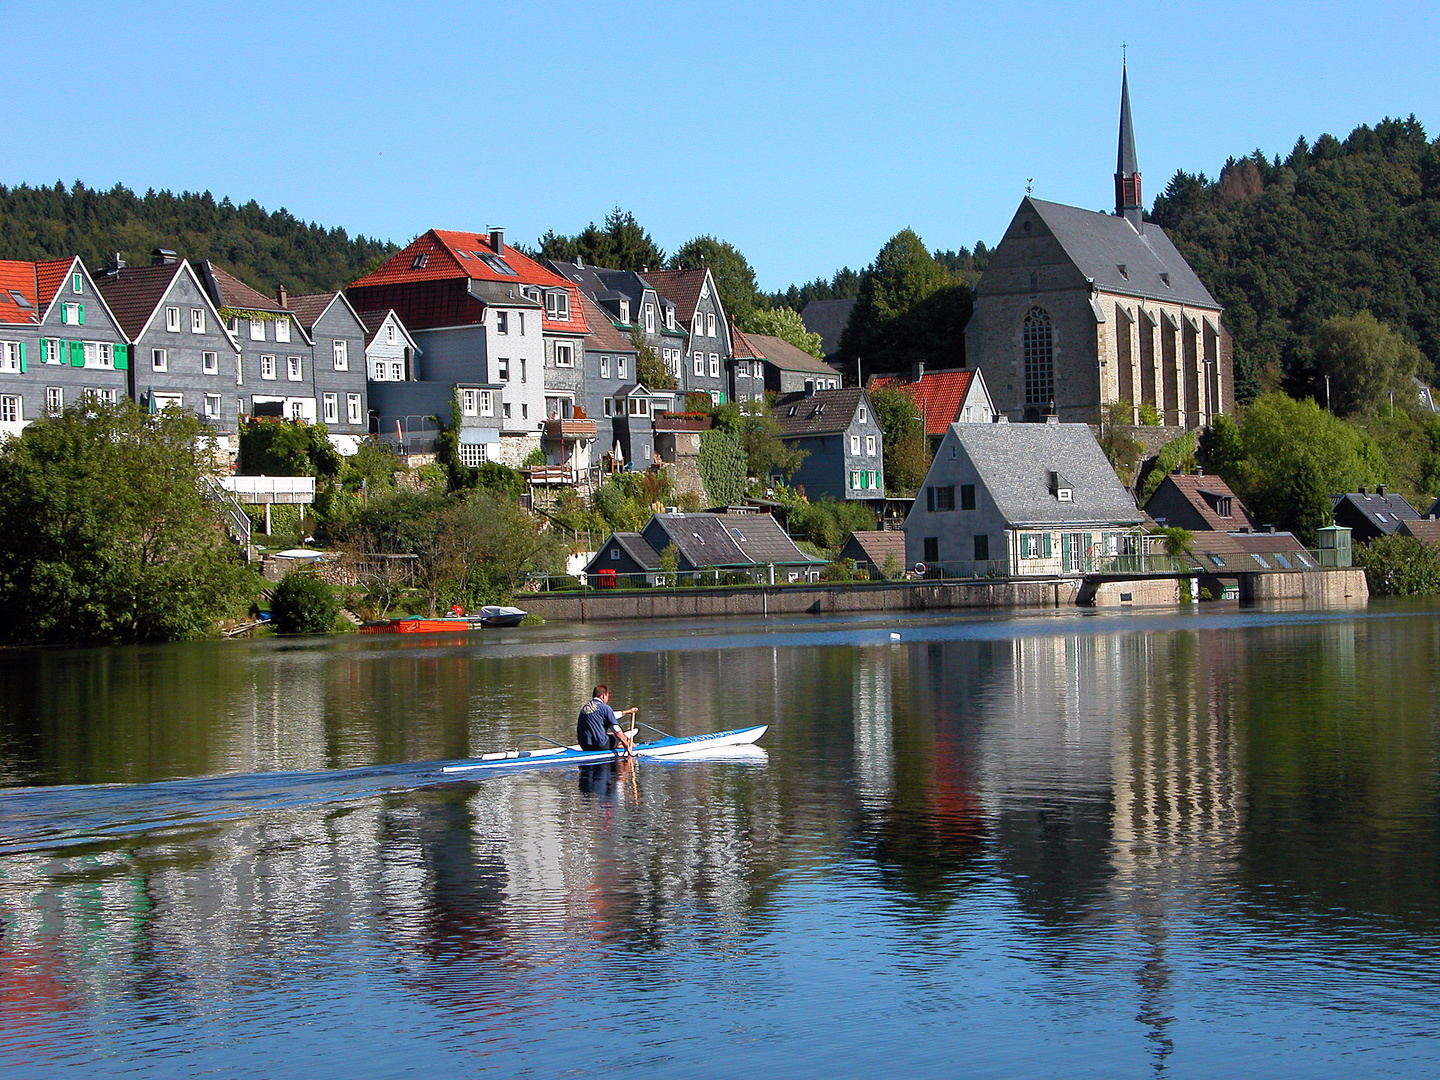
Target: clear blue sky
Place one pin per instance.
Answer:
(806, 134)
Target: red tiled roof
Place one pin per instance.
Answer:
(742, 347)
(51, 276)
(20, 277)
(451, 256)
(939, 395)
(680, 287)
(1195, 488)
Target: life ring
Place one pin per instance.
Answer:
(920, 568)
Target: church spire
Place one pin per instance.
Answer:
(1127, 175)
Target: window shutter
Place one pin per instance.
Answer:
(77, 354)
(1045, 544)
(81, 309)
(122, 357)
(22, 357)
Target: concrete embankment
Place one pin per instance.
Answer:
(1338, 587)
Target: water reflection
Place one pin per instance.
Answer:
(1154, 816)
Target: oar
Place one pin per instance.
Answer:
(657, 731)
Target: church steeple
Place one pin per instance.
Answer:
(1127, 175)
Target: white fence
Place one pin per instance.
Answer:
(257, 490)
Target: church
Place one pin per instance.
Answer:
(1079, 310)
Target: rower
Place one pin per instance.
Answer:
(598, 726)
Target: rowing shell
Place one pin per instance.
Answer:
(670, 746)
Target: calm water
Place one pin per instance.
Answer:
(1192, 844)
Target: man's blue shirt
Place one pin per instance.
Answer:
(594, 725)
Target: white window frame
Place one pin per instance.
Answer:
(564, 354)
(352, 409)
(625, 311)
(469, 402)
(604, 367)
(502, 368)
(487, 403)
(50, 351)
(502, 322)
(197, 320)
(340, 352)
(622, 369)
(90, 350)
(267, 367)
(472, 455)
(257, 329)
(77, 283)
(855, 445)
(70, 314)
(330, 404)
(860, 416)
(557, 305)
(389, 333)
(210, 363)
(159, 360)
(107, 394)
(698, 328)
(294, 369)
(700, 364)
(869, 445)
(10, 357)
(212, 406)
(12, 408)
(105, 354)
(54, 400)
(649, 318)
(397, 370)
(282, 330)
(714, 365)
(172, 320)
(709, 324)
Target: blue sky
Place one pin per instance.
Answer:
(805, 134)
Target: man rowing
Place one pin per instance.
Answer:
(598, 726)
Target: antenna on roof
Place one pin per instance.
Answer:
(1029, 184)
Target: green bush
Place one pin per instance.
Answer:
(303, 604)
(1400, 566)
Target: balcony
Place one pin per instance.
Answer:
(568, 430)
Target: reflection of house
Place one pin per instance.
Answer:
(943, 398)
(753, 543)
(879, 552)
(844, 448)
(1370, 515)
(1020, 499)
(1079, 309)
(1198, 503)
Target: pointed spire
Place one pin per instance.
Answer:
(1127, 173)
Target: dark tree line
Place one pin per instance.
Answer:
(262, 248)
(1332, 229)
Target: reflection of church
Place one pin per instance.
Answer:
(1079, 309)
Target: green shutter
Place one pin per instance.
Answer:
(77, 354)
(22, 357)
(1045, 544)
(122, 357)
(82, 313)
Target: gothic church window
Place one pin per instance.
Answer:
(1037, 343)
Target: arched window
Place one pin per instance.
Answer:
(1038, 346)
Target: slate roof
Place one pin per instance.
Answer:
(1099, 244)
(707, 540)
(1015, 461)
(820, 413)
(787, 357)
(134, 292)
(939, 395)
(827, 318)
(603, 336)
(1384, 511)
(19, 277)
(308, 307)
(1199, 491)
(1249, 551)
(452, 256)
(230, 291)
(1426, 530)
(634, 545)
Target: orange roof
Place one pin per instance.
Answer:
(939, 395)
(51, 276)
(442, 255)
(742, 347)
(18, 277)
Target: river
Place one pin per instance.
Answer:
(1116, 844)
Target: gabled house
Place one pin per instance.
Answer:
(483, 314)
(750, 543)
(59, 341)
(844, 446)
(338, 363)
(789, 370)
(1199, 503)
(182, 354)
(390, 351)
(880, 553)
(1370, 515)
(1020, 500)
(608, 365)
(747, 367)
(942, 398)
(705, 366)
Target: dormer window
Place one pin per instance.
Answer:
(420, 261)
(496, 263)
(625, 311)
(1061, 488)
(670, 318)
(557, 304)
(1166, 279)
(1123, 272)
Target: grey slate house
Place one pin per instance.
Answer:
(59, 342)
(338, 364)
(790, 370)
(608, 364)
(1370, 515)
(845, 449)
(705, 366)
(276, 353)
(181, 352)
(408, 415)
(753, 543)
(390, 351)
(1020, 500)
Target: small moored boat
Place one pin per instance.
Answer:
(669, 746)
(497, 615)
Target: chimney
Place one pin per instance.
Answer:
(114, 266)
(163, 257)
(579, 260)
(282, 296)
(497, 239)
(917, 371)
(1380, 490)
(1363, 491)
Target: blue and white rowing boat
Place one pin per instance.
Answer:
(669, 746)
